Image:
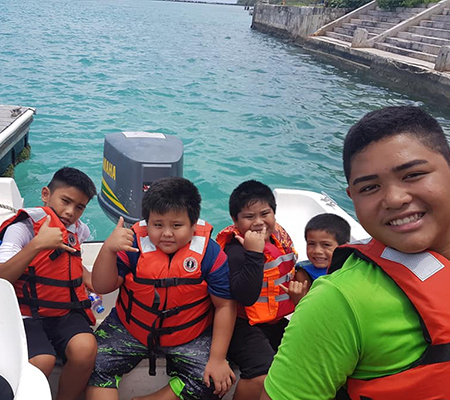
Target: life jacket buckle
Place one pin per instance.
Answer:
(170, 312)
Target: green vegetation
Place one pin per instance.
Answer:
(350, 4)
(299, 3)
(389, 4)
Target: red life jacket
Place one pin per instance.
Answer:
(166, 302)
(52, 285)
(273, 303)
(425, 279)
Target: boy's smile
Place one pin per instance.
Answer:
(68, 202)
(400, 190)
(170, 231)
(255, 217)
(320, 246)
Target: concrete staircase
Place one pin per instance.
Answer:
(375, 21)
(422, 41)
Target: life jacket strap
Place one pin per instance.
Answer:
(168, 282)
(52, 282)
(57, 252)
(36, 303)
(434, 354)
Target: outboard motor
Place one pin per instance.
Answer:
(132, 161)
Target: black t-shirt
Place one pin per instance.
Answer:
(246, 273)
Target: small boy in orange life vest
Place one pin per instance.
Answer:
(323, 233)
(174, 297)
(261, 258)
(40, 255)
(380, 319)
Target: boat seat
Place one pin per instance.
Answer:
(25, 380)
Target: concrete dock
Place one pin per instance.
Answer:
(407, 48)
(15, 124)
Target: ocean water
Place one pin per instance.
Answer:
(246, 105)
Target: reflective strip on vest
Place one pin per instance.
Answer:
(146, 244)
(201, 222)
(279, 260)
(142, 222)
(423, 265)
(197, 244)
(36, 214)
(279, 281)
(281, 297)
(362, 241)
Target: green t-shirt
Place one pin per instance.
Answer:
(354, 323)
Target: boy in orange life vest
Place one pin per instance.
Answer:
(262, 259)
(40, 255)
(386, 305)
(174, 284)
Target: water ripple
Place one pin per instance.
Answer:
(246, 105)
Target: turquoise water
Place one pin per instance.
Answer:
(246, 105)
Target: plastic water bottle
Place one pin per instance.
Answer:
(96, 303)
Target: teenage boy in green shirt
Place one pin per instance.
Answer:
(357, 324)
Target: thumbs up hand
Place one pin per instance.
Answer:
(121, 239)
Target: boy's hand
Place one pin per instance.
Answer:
(87, 279)
(253, 241)
(50, 238)
(221, 374)
(296, 290)
(121, 239)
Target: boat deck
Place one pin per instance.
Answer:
(14, 126)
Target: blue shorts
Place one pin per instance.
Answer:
(119, 352)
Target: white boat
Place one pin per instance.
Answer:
(294, 209)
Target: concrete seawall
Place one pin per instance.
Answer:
(400, 73)
(292, 22)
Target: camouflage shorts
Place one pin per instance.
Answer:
(119, 352)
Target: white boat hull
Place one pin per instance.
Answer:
(294, 209)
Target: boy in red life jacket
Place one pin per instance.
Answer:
(323, 234)
(262, 259)
(40, 255)
(379, 324)
(174, 286)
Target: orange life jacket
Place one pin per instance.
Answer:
(166, 302)
(425, 280)
(52, 285)
(273, 303)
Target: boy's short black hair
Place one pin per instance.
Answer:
(392, 121)
(332, 224)
(247, 194)
(73, 177)
(172, 194)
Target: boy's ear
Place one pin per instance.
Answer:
(45, 194)
(348, 192)
(234, 220)
(194, 227)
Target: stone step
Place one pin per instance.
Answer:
(343, 31)
(375, 24)
(446, 11)
(441, 18)
(435, 24)
(392, 20)
(339, 36)
(430, 32)
(402, 15)
(370, 29)
(404, 52)
(411, 45)
(424, 39)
